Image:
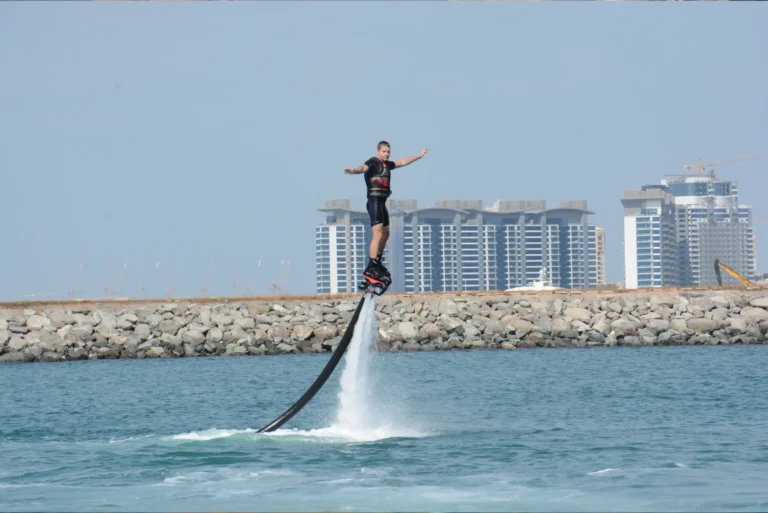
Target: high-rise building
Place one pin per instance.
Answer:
(600, 256)
(649, 239)
(458, 245)
(710, 224)
(686, 223)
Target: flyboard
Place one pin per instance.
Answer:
(368, 287)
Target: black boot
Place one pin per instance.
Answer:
(374, 279)
(380, 265)
(373, 271)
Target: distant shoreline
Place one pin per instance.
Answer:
(123, 302)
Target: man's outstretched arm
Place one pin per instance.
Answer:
(409, 160)
(356, 170)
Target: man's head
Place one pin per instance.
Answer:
(383, 150)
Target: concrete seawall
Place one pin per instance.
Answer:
(72, 330)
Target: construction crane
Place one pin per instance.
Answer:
(719, 265)
(700, 166)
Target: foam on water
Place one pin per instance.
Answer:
(604, 471)
(362, 415)
(210, 434)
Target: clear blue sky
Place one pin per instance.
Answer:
(185, 133)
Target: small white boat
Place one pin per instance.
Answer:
(542, 284)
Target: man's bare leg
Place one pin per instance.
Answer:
(383, 240)
(378, 230)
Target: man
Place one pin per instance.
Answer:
(378, 178)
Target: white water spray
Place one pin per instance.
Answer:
(354, 415)
(363, 414)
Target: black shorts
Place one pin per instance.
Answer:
(377, 210)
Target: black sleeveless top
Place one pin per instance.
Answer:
(378, 177)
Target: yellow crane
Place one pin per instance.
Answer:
(719, 265)
(700, 166)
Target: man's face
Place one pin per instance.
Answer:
(383, 153)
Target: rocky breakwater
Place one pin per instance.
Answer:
(409, 323)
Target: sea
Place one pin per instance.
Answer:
(556, 429)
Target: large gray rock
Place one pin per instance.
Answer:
(16, 357)
(192, 336)
(621, 326)
(221, 320)
(170, 326)
(543, 324)
(754, 314)
(721, 301)
(737, 324)
(35, 351)
(761, 302)
(578, 314)
(540, 309)
(603, 326)
(156, 352)
(247, 323)
(408, 330)
(325, 332)
(287, 348)
(705, 303)
(301, 332)
(701, 325)
(448, 307)
(36, 322)
(470, 333)
(679, 325)
(236, 334)
(49, 356)
(214, 335)
(60, 319)
(449, 323)
(126, 321)
(517, 324)
(495, 328)
(279, 331)
(560, 325)
(16, 343)
(659, 324)
(663, 300)
(81, 332)
(719, 314)
(429, 331)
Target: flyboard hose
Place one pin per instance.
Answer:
(321, 379)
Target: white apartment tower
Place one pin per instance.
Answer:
(649, 239)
